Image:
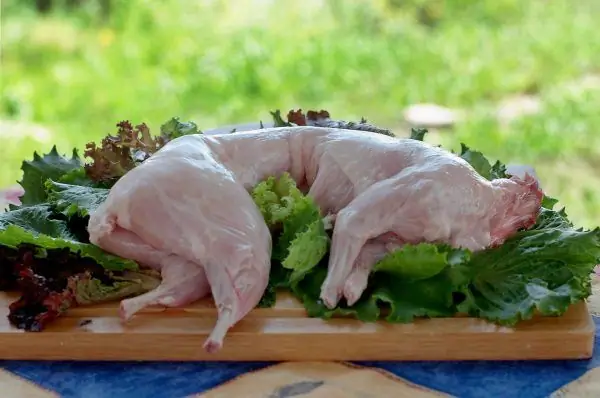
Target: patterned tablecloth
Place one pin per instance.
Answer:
(281, 380)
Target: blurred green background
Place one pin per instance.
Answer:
(71, 69)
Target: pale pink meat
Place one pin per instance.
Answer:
(184, 213)
(11, 196)
(187, 211)
(434, 197)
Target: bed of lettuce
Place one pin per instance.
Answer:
(45, 253)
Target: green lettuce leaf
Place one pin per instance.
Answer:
(278, 119)
(480, 163)
(409, 299)
(300, 241)
(71, 200)
(303, 214)
(295, 220)
(475, 158)
(549, 202)
(41, 168)
(498, 170)
(37, 225)
(80, 177)
(269, 297)
(551, 219)
(309, 289)
(306, 250)
(422, 261)
(276, 198)
(174, 128)
(279, 278)
(418, 133)
(415, 281)
(546, 268)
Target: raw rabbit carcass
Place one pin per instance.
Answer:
(437, 197)
(184, 213)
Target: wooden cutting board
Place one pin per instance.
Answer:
(285, 333)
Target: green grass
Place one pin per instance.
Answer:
(77, 75)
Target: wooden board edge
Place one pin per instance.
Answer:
(291, 339)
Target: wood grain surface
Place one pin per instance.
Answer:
(284, 333)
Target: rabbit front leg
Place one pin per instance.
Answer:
(363, 219)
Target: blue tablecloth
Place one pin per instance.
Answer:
(463, 379)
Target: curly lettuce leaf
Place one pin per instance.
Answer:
(299, 238)
(295, 220)
(37, 225)
(276, 198)
(49, 166)
(52, 283)
(132, 145)
(544, 269)
(115, 155)
(75, 200)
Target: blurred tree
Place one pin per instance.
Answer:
(45, 6)
(426, 12)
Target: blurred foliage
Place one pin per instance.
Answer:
(79, 67)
